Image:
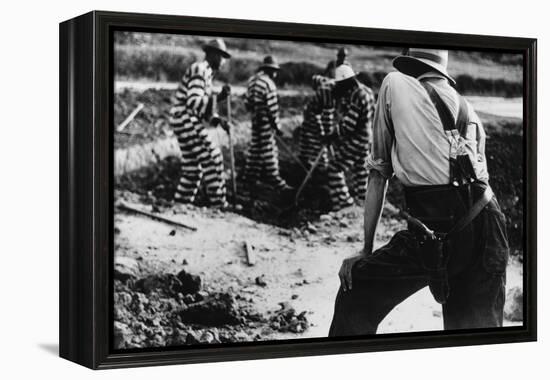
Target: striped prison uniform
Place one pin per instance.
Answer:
(356, 112)
(262, 161)
(318, 121)
(201, 159)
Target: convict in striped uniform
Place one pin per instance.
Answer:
(262, 162)
(201, 159)
(318, 121)
(351, 142)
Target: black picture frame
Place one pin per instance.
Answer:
(86, 188)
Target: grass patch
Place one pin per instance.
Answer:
(164, 57)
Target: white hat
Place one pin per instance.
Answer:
(417, 61)
(343, 72)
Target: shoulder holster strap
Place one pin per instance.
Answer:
(472, 213)
(444, 112)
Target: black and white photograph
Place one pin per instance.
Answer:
(275, 190)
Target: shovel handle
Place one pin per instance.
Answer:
(308, 175)
(231, 151)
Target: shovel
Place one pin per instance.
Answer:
(308, 176)
(290, 152)
(231, 152)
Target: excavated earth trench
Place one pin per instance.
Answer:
(288, 291)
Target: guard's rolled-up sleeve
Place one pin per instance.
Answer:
(382, 133)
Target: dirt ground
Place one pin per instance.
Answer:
(289, 292)
(296, 267)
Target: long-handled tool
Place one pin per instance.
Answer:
(308, 175)
(231, 151)
(290, 152)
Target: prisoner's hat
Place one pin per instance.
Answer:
(343, 72)
(217, 45)
(417, 61)
(270, 63)
(342, 52)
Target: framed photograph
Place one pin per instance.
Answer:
(234, 189)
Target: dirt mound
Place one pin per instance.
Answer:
(219, 309)
(166, 309)
(126, 269)
(169, 284)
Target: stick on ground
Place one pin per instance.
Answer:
(125, 207)
(249, 250)
(130, 117)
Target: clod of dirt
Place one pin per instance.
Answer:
(513, 309)
(210, 336)
(287, 320)
(191, 338)
(169, 284)
(126, 268)
(122, 334)
(353, 238)
(178, 338)
(260, 281)
(325, 218)
(191, 283)
(217, 310)
(311, 228)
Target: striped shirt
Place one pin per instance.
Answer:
(194, 90)
(323, 87)
(323, 103)
(262, 101)
(409, 140)
(356, 114)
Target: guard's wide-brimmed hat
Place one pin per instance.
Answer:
(418, 61)
(217, 45)
(270, 63)
(343, 72)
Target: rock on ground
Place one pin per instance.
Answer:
(126, 268)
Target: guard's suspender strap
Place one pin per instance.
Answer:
(444, 112)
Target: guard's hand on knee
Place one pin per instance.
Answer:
(345, 271)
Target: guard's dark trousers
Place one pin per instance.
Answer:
(477, 269)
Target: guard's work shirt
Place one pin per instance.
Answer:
(408, 137)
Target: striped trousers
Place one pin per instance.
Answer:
(310, 139)
(262, 161)
(353, 160)
(201, 161)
